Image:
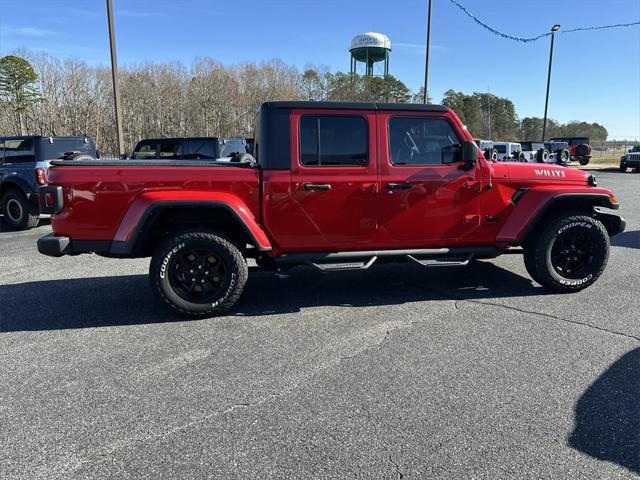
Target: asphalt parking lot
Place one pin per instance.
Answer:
(396, 372)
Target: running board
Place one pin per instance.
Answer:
(442, 261)
(363, 257)
(342, 266)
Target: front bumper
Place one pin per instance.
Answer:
(631, 163)
(613, 223)
(54, 246)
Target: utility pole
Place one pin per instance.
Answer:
(489, 102)
(114, 76)
(426, 61)
(554, 29)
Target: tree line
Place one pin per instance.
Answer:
(42, 95)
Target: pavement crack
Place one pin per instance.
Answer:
(374, 425)
(457, 299)
(103, 454)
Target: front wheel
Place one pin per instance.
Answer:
(569, 254)
(623, 167)
(198, 274)
(584, 161)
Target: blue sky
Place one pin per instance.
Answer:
(596, 75)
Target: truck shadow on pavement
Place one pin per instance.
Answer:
(128, 300)
(607, 416)
(627, 239)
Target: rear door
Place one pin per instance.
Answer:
(334, 177)
(426, 198)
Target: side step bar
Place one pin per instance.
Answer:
(442, 261)
(341, 266)
(361, 260)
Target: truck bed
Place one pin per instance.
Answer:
(98, 193)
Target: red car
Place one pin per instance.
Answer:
(579, 148)
(338, 186)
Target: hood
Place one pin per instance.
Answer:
(540, 172)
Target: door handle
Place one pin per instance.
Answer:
(399, 186)
(317, 187)
(473, 185)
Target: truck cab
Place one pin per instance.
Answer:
(24, 161)
(337, 186)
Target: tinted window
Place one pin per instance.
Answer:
(198, 149)
(57, 147)
(169, 149)
(19, 150)
(145, 150)
(333, 141)
(229, 147)
(501, 148)
(422, 141)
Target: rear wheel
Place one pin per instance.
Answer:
(569, 254)
(198, 274)
(18, 211)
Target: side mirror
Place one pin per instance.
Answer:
(469, 155)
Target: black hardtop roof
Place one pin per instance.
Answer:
(570, 138)
(25, 137)
(175, 139)
(417, 107)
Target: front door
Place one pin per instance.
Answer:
(334, 178)
(426, 194)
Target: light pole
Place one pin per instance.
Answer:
(554, 29)
(426, 61)
(114, 76)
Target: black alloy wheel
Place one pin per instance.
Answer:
(572, 253)
(197, 275)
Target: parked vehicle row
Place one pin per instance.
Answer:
(338, 186)
(24, 161)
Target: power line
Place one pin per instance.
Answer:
(538, 37)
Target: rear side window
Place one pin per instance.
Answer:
(327, 141)
(169, 149)
(231, 147)
(145, 150)
(19, 150)
(422, 141)
(198, 149)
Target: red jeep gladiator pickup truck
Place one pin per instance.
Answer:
(338, 186)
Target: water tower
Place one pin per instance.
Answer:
(370, 48)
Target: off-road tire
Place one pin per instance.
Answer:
(29, 215)
(80, 157)
(623, 167)
(584, 161)
(637, 169)
(542, 156)
(538, 252)
(521, 157)
(563, 157)
(582, 150)
(163, 281)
